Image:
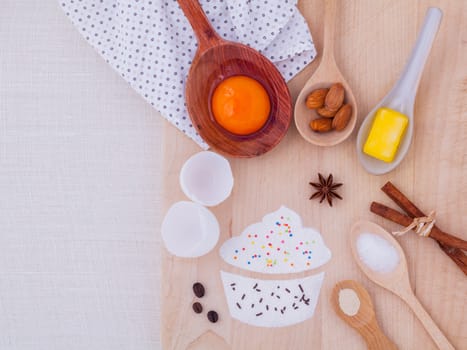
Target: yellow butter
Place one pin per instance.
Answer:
(385, 134)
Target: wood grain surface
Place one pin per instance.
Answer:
(373, 41)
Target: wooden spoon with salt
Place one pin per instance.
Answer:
(352, 303)
(397, 280)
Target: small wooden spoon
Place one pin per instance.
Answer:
(396, 281)
(218, 59)
(325, 75)
(364, 321)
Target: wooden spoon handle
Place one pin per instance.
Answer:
(330, 10)
(375, 338)
(204, 32)
(436, 334)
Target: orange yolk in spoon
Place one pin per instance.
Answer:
(240, 105)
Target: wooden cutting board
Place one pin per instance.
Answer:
(374, 39)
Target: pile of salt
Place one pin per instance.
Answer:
(377, 253)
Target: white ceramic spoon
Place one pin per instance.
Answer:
(397, 280)
(402, 96)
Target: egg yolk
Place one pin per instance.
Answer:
(240, 105)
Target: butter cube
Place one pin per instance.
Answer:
(385, 134)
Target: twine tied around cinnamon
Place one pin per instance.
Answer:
(422, 225)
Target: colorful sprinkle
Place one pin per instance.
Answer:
(282, 235)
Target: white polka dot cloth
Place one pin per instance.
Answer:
(151, 44)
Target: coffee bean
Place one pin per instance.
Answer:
(198, 289)
(197, 307)
(213, 316)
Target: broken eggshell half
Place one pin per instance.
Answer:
(206, 178)
(189, 230)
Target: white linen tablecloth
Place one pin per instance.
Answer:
(79, 192)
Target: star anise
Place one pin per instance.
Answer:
(325, 189)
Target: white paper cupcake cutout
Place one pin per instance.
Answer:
(278, 244)
(271, 303)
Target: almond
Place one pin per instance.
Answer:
(321, 125)
(324, 112)
(335, 97)
(342, 117)
(316, 98)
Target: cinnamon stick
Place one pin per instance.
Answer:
(401, 200)
(411, 209)
(456, 254)
(404, 220)
(390, 214)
